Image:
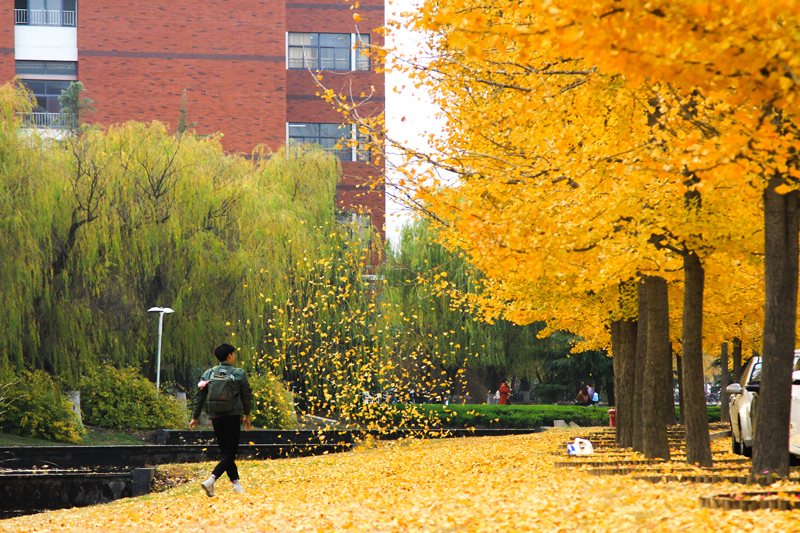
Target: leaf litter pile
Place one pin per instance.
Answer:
(471, 484)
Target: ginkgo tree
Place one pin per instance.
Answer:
(565, 171)
(745, 55)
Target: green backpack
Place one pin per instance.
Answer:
(221, 395)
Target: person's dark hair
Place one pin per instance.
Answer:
(223, 351)
(585, 389)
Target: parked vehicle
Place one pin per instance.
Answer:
(743, 401)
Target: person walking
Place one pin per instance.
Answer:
(583, 396)
(505, 392)
(227, 424)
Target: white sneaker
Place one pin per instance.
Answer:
(208, 486)
(238, 488)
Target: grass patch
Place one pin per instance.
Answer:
(94, 436)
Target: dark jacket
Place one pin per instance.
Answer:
(241, 390)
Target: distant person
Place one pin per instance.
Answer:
(505, 392)
(227, 423)
(583, 396)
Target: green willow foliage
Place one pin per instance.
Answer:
(424, 289)
(100, 226)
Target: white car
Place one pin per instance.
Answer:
(742, 408)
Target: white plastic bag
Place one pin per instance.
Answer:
(583, 447)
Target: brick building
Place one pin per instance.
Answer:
(244, 66)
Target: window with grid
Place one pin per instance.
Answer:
(362, 52)
(46, 93)
(326, 51)
(362, 146)
(26, 68)
(331, 137)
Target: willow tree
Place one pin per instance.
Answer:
(430, 291)
(26, 196)
(111, 222)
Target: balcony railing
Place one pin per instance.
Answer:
(44, 17)
(48, 120)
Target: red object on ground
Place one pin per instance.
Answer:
(612, 417)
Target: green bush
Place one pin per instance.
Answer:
(517, 416)
(714, 413)
(123, 399)
(36, 407)
(523, 416)
(272, 403)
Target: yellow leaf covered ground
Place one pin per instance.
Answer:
(476, 484)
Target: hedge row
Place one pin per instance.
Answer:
(525, 416)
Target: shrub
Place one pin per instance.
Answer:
(36, 407)
(524, 416)
(272, 403)
(123, 399)
(517, 416)
(714, 413)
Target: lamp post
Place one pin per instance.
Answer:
(161, 311)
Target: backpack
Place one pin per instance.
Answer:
(221, 395)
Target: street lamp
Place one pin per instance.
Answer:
(161, 311)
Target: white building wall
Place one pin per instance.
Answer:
(46, 43)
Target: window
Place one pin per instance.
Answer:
(362, 146)
(65, 69)
(755, 376)
(332, 137)
(362, 49)
(357, 226)
(327, 51)
(47, 112)
(45, 12)
(47, 93)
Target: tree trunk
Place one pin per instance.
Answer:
(616, 359)
(694, 412)
(656, 444)
(737, 360)
(781, 229)
(679, 364)
(641, 358)
(623, 342)
(669, 393)
(725, 408)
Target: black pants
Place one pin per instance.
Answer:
(227, 429)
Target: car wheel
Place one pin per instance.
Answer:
(747, 451)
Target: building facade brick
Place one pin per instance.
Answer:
(136, 59)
